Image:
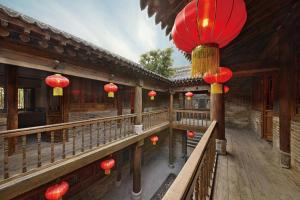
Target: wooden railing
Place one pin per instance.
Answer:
(43, 145)
(191, 117)
(196, 177)
(150, 119)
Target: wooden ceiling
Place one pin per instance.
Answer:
(265, 18)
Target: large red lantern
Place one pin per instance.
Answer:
(152, 94)
(58, 82)
(110, 88)
(57, 191)
(222, 76)
(154, 139)
(204, 26)
(190, 134)
(106, 165)
(226, 89)
(189, 95)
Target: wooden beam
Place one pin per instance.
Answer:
(255, 72)
(12, 104)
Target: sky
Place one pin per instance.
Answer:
(116, 25)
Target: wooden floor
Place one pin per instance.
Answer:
(251, 170)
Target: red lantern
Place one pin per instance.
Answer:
(154, 139)
(110, 88)
(57, 191)
(106, 165)
(204, 26)
(152, 94)
(58, 82)
(222, 76)
(226, 89)
(190, 134)
(189, 95)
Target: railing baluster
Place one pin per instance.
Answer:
(115, 129)
(104, 132)
(24, 163)
(110, 136)
(39, 149)
(74, 140)
(82, 138)
(98, 133)
(6, 172)
(64, 144)
(52, 146)
(91, 136)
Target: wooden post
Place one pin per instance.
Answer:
(119, 167)
(286, 56)
(217, 113)
(184, 145)
(119, 103)
(12, 104)
(138, 104)
(132, 95)
(171, 137)
(137, 157)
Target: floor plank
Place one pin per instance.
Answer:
(251, 171)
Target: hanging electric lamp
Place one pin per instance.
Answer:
(154, 139)
(57, 82)
(152, 94)
(106, 165)
(57, 191)
(204, 26)
(111, 89)
(189, 95)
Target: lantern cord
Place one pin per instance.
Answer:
(205, 58)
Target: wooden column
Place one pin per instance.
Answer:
(119, 167)
(137, 157)
(138, 104)
(132, 94)
(119, 103)
(12, 104)
(217, 113)
(286, 57)
(184, 145)
(171, 137)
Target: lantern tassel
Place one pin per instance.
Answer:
(111, 94)
(107, 171)
(152, 98)
(57, 91)
(205, 58)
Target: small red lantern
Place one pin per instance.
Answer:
(226, 89)
(190, 134)
(154, 139)
(106, 165)
(189, 95)
(110, 88)
(57, 191)
(222, 76)
(58, 82)
(152, 94)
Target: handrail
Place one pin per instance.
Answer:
(155, 111)
(189, 111)
(194, 178)
(51, 127)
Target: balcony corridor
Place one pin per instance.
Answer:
(251, 171)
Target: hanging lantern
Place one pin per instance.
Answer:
(152, 94)
(57, 191)
(110, 88)
(58, 82)
(190, 134)
(154, 139)
(106, 165)
(204, 26)
(189, 95)
(224, 75)
(226, 89)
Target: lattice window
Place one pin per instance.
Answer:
(21, 99)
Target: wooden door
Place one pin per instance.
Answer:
(267, 113)
(54, 108)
